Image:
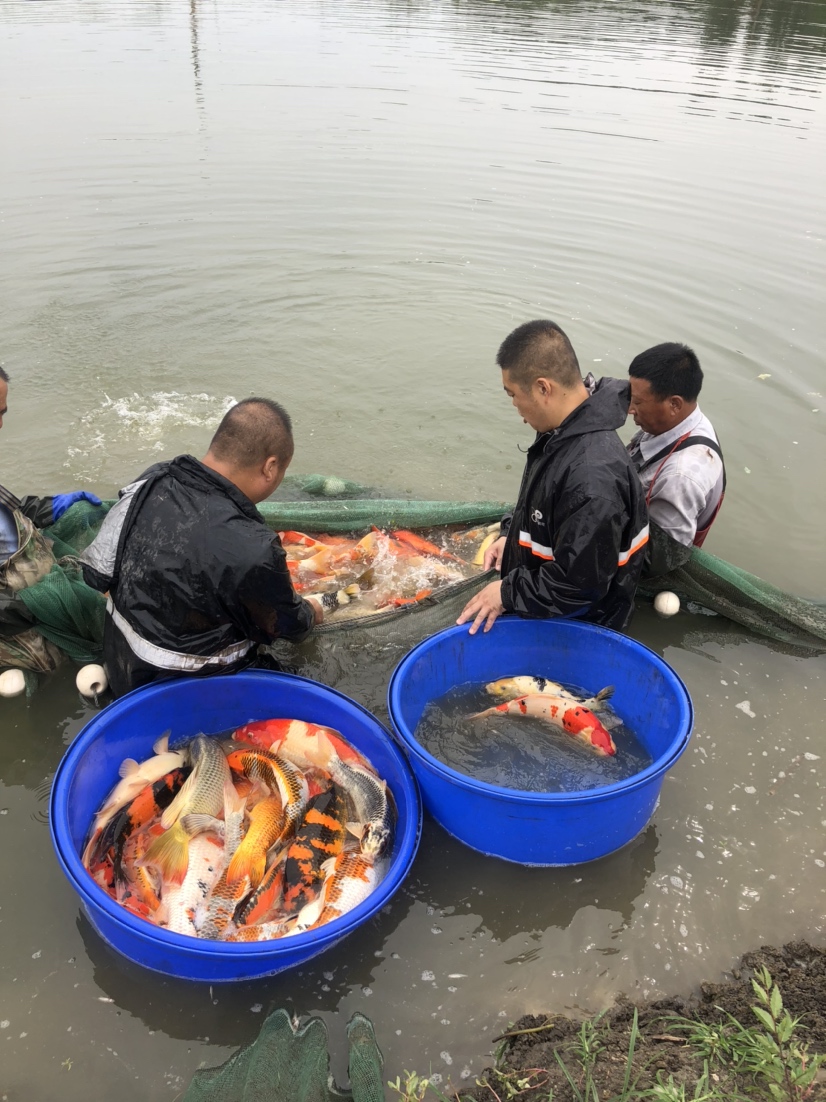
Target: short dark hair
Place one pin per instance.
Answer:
(252, 431)
(539, 349)
(4, 375)
(669, 369)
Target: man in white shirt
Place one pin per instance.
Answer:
(676, 454)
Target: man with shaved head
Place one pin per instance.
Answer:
(572, 546)
(195, 578)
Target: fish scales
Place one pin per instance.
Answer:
(202, 796)
(278, 774)
(371, 805)
(322, 835)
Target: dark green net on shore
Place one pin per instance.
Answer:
(71, 615)
(291, 1063)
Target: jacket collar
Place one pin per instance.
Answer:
(649, 445)
(192, 472)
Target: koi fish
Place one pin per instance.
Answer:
(279, 775)
(508, 688)
(266, 898)
(306, 745)
(267, 824)
(565, 714)
(349, 879)
(202, 794)
(264, 931)
(320, 836)
(479, 557)
(215, 912)
(136, 776)
(205, 861)
(423, 546)
(372, 807)
(148, 806)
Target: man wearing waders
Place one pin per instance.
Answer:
(675, 453)
(26, 557)
(573, 545)
(195, 578)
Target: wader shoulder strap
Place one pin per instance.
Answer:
(687, 441)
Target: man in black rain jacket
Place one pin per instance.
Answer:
(195, 578)
(571, 547)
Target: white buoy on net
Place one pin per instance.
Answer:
(667, 603)
(12, 683)
(91, 680)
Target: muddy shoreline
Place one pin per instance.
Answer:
(527, 1067)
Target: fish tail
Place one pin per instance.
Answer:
(169, 853)
(247, 863)
(606, 693)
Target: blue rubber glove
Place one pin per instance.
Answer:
(61, 502)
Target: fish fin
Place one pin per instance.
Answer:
(127, 768)
(606, 693)
(162, 744)
(179, 803)
(356, 829)
(169, 853)
(197, 823)
(486, 712)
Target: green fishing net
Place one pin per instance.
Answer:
(70, 614)
(291, 1063)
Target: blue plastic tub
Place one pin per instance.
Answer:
(186, 707)
(560, 828)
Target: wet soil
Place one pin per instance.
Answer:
(528, 1069)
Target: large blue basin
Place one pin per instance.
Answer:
(214, 705)
(559, 828)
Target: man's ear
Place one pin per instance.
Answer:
(271, 469)
(544, 387)
(677, 402)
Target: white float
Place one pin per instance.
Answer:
(667, 603)
(12, 683)
(91, 680)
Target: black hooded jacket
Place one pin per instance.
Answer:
(192, 569)
(574, 538)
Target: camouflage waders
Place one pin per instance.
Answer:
(32, 560)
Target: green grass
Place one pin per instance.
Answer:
(766, 1060)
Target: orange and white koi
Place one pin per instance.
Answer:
(306, 745)
(136, 776)
(565, 714)
(349, 879)
(509, 688)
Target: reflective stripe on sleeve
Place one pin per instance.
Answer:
(537, 549)
(640, 540)
(165, 659)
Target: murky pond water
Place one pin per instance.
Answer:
(347, 206)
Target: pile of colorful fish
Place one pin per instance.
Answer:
(382, 570)
(278, 829)
(557, 706)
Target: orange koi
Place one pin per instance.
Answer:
(267, 824)
(577, 721)
(267, 896)
(423, 546)
(280, 776)
(349, 879)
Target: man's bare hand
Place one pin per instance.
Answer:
(493, 555)
(484, 608)
(318, 609)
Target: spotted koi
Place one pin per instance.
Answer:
(321, 836)
(576, 720)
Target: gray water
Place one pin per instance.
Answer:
(347, 206)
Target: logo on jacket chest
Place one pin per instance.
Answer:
(536, 516)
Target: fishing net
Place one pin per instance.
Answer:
(70, 615)
(291, 1063)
